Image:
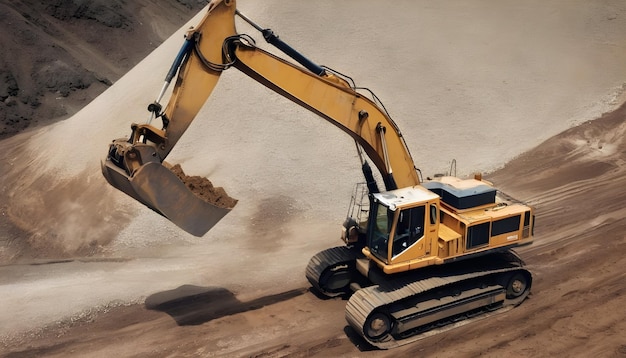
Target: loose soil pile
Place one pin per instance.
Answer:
(204, 189)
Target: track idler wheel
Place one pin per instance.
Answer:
(518, 284)
(336, 279)
(377, 326)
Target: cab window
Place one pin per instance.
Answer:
(380, 220)
(409, 230)
(433, 214)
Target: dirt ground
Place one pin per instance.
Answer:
(576, 182)
(171, 296)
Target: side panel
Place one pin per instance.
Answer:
(507, 230)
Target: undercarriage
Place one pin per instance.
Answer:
(393, 310)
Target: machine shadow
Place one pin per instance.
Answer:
(194, 305)
(359, 342)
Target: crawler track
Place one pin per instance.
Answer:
(407, 307)
(331, 271)
(412, 310)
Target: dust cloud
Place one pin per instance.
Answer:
(55, 216)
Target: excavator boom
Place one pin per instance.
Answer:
(134, 165)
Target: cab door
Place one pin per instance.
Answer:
(409, 233)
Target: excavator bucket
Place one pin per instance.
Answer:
(161, 190)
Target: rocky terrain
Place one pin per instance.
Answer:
(58, 55)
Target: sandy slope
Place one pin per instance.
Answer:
(59, 55)
(494, 80)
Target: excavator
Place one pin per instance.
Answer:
(418, 258)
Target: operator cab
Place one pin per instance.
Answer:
(398, 220)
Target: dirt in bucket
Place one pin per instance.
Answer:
(204, 189)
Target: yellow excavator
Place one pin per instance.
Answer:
(418, 257)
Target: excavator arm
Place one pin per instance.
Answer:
(134, 164)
